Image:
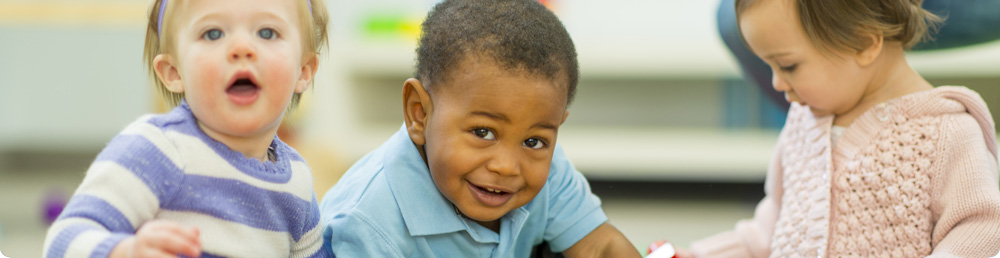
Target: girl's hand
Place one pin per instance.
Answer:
(160, 238)
(683, 253)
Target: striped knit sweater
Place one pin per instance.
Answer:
(914, 177)
(165, 167)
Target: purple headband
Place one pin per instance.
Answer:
(163, 8)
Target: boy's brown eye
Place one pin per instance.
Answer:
(484, 133)
(534, 143)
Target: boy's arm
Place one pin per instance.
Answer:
(604, 241)
(354, 234)
(965, 196)
(577, 226)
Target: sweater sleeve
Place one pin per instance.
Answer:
(123, 188)
(965, 198)
(312, 243)
(751, 237)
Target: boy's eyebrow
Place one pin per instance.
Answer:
(493, 116)
(503, 118)
(544, 125)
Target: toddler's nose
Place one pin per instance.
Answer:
(504, 162)
(778, 83)
(242, 51)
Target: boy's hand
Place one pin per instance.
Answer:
(160, 238)
(604, 241)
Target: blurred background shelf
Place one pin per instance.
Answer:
(650, 68)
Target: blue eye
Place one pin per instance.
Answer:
(484, 133)
(212, 34)
(266, 33)
(534, 143)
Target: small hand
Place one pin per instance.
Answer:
(683, 252)
(160, 238)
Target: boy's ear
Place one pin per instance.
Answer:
(869, 54)
(167, 73)
(417, 108)
(308, 73)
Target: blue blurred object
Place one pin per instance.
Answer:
(968, 22)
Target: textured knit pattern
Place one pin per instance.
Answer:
(805, 203)
(914, 177)
(884, 192)
(165, 167)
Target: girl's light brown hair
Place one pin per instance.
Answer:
(848, 24)
(159, 40)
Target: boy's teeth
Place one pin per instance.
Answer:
(493, 190)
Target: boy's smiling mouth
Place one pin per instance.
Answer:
(490, 196)
(243, 89)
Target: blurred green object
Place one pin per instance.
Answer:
(391, 25)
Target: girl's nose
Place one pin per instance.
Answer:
(778, 83)
(241, 51)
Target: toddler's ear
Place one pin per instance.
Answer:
(167, 73)
(308, 73)
(868, 55)
(416, 109)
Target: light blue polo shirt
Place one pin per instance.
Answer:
(386, 205)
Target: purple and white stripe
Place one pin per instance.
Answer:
(163, 167)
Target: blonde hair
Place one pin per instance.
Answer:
(846, 24)
(158, 40)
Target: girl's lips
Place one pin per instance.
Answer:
(243, 89)
(490, 196)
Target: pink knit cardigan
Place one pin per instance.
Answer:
(914, 177)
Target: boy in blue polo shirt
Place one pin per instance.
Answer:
(475, 170)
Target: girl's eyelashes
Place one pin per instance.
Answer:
(788, 68)
(215, 34)
(267, 33)
(212, 34)
(484, 133)
(534, 143)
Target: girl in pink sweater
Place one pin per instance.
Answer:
(873, 160)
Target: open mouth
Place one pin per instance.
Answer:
(490, 196)
(243, 90)
(490, 190)
(243, 86)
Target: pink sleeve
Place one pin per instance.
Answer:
(751, 237)
(965, 196)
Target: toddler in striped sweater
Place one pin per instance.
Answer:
(210, 178)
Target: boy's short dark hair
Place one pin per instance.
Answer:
(519, 35)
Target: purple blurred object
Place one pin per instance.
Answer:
(55, 201)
